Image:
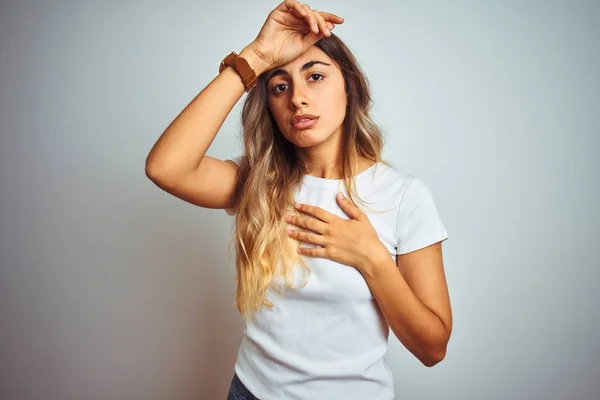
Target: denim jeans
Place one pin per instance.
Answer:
(237, 390)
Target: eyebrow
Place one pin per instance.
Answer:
(303, 68)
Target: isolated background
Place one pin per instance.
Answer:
(112, 289)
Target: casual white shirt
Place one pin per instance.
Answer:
(328, 339)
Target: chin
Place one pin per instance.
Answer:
(306, 138)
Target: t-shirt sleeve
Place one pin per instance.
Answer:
(237, 160)
(418, 222)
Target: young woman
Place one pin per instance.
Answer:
(321, 284)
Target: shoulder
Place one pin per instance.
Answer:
(417, 191)
(401, 191)
(237, 160)
(391, 182)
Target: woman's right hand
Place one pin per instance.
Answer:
(291, 29)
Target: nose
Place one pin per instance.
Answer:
(298, 98)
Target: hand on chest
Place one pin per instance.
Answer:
(337, 229)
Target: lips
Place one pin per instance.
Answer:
(303, 117)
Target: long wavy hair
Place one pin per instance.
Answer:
(270, 173)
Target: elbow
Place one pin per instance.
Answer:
(154, 171)
(152, 166)
(157, 176)
(152, 174)
(150, 171)
(165, 173)
(436, 351)
(157, 165)
(435, 357)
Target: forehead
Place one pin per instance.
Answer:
(312, 54)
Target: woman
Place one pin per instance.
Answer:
(319, 299)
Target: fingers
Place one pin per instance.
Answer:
(295, 8)
(323, 21)
(332, 17)
(323, 25)
(317, 21)
(311, 19)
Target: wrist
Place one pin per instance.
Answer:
(254, 60)
(376, 257)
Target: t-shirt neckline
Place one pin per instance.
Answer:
(335, 183)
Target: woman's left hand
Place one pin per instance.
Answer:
(351, 242)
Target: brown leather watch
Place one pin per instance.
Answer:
(243, 69)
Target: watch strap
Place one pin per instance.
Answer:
(242, 68)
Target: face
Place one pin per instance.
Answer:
(310, 84)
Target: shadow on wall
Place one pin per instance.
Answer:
(198, 328)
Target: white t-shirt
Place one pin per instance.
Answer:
(328, 340)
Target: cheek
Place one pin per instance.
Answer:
(334, 108)
(276, 115)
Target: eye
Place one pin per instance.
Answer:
(274, 90)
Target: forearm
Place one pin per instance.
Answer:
(415, 326)
(184, 143)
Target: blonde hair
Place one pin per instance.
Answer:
(270, 173)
